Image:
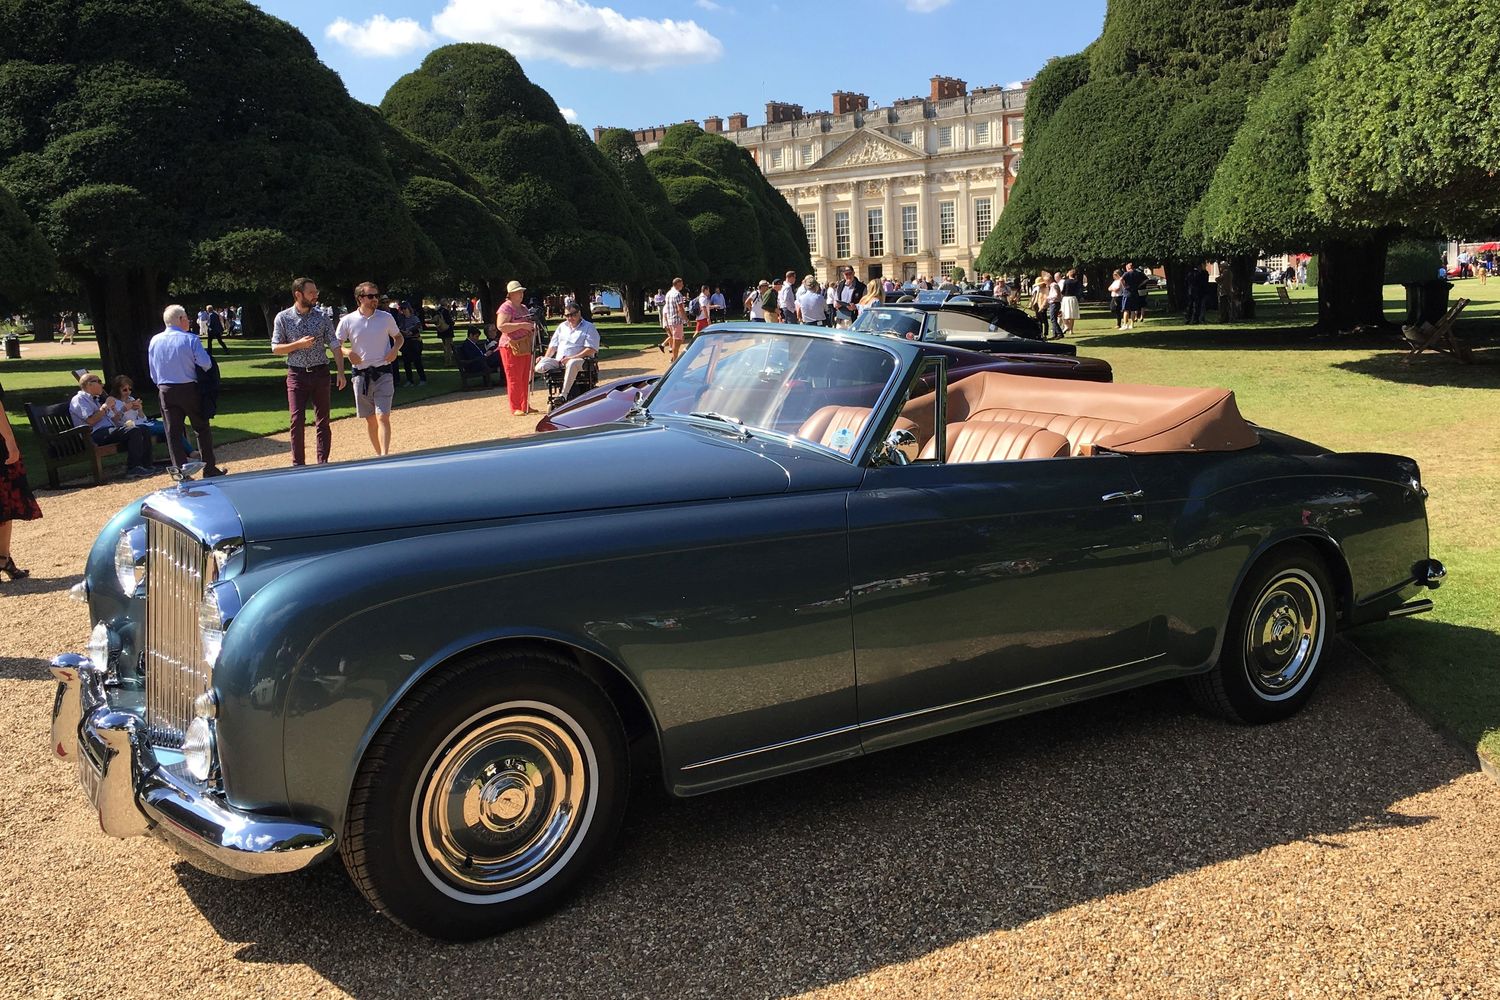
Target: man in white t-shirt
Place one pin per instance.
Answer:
(371, 340)
(812, 305)
(575, 340)
(757, 310)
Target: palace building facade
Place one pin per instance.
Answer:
(903, 191)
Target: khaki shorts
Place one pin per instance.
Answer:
(377, 399)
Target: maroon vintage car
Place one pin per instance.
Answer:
(605, 403)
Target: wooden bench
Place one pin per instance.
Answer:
(1283, 296)
(64, 445)
(471, 372)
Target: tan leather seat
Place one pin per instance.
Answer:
(827, 422)
(1138, 419)
(992, 441)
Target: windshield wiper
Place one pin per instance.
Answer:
(735, 422)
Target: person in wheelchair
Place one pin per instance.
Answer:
(574, 341)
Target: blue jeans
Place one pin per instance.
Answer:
(1054, 328)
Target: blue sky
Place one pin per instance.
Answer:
(633, 64)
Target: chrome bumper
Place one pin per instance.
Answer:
(135, 794)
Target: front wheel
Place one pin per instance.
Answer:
(1278, 629)
(487, 795)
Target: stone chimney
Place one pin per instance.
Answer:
(945, 87)
(844, 102)
(713, 123)
(778, 112)
(738, 120)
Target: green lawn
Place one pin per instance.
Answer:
(1346, 393)
(1357, 393)
(252, 402)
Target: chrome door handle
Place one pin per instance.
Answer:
(1132, 495)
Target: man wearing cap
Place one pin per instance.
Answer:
(574, 340)
(517, 333)
(372, 341)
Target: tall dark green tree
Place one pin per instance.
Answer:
(742, 226)
(672, 236)
(1125, 146)
(27, 264)
(1261, 197)
(476, 101)
(467, 246)
(150, 138)
(1407, 127)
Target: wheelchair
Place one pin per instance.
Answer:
(588, 377)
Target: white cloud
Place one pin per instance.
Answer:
(577, 33)
(569, 114)
(380, 36)
(926, 6)
(708, 5)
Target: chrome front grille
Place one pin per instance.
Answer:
(175, 671)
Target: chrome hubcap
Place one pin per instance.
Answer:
(501, 802)
(1284, 633)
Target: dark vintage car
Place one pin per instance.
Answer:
(612, 400)
(802, 547)
(967, 319)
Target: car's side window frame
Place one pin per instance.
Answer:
(937, 364)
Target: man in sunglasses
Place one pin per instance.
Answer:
(372, 341)
(575, 339)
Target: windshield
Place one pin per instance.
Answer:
(810, 388)
(904, 324)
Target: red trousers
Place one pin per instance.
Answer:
(517, 378)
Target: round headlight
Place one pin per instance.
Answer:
(130, 559)
(198, 749)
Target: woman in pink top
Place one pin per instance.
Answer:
(517, 333)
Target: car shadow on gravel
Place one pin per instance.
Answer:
(783, 886)
(23, 668)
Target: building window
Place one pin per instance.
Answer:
(982, 134)
(945, 269)
(908, 229)
(810, 226)
(906, 136)
(841, 233)
(875, 231)
(945, 136)
(947, 224)
(909, 271)
(1017, 130)
(983, 218)
(775, 159)
(807, 154)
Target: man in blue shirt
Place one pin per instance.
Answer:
(175, 357)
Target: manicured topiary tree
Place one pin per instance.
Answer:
(1405, 132)
(27, 264)
(476, 101)
(150, 138)
(1125, 136)
(676, 246)
(743, 228)
(1261, 195)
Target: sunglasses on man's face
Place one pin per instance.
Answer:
(369, 295)
(572, 314)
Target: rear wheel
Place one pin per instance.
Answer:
(1273, 646)
(487, 796)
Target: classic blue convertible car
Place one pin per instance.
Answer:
(803, 546)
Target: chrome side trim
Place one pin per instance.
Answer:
(769, 748)
(1414, 608)
(774, 746)
(1006, 693)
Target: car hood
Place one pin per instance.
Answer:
(614, 465)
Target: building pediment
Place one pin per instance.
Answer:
(864, 147)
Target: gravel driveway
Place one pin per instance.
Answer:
(1126, 847)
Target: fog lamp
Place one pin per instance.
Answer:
(198, 749)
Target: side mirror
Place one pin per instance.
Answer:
(900, 447)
